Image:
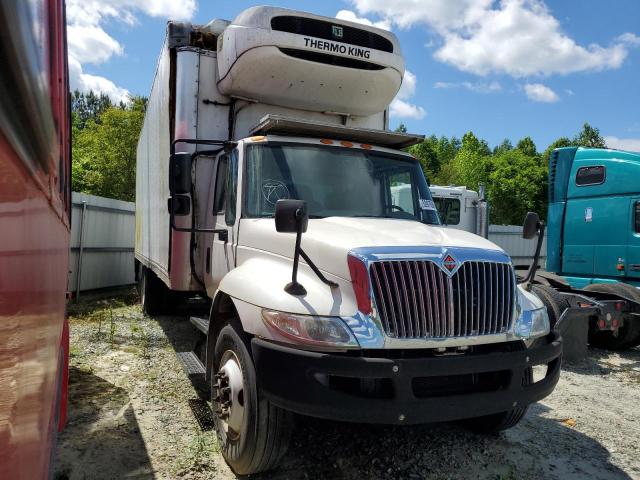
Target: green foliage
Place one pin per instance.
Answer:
(104, 146)
(517, 184)
(527, 147)
(436, 156)
(515, 178)
(402, 128)
(505, 146)
(589, 137)
(87, 107)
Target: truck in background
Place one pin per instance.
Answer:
(35, 211)
(264, 183)
(593, 243)
(458, 207)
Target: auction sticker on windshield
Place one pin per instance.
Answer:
(426, 204)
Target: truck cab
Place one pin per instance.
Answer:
(267, 182)
(594, 216)
(593, 242)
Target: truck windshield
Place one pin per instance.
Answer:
(337, 181)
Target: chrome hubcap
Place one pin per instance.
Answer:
(229, 394)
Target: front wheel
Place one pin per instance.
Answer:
(252, 432)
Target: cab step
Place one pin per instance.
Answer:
(201, 323)
(191, 363)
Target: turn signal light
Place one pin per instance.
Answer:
(360, 282)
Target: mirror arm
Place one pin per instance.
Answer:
(531, 273)
(295, 288)
(317, 271)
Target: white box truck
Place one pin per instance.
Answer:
(264, 183)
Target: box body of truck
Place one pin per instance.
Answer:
(265, 162)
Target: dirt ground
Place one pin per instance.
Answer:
(130, 416)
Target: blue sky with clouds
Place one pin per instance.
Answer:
(503, 69)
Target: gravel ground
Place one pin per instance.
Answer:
(130, 417)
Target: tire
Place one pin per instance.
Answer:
(629, 334)
(261, 438)
(556, 304)
(152, 293)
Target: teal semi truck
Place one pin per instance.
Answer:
(593, 243)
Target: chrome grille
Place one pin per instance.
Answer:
(417, 299)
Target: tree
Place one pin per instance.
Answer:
(517, 185)
(589, 137)
(88, 106)
(559, 143)
(402, 128)
(527, 147)
(426, 154)
(104, 152)
(505, 146)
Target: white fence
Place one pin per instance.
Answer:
(521, 251)
(102, 243)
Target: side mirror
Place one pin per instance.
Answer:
(179, 205)
(531, 225)
(291, 216)
(180, 173)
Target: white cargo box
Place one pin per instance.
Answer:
(304, 61)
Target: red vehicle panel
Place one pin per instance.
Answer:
(35, 202)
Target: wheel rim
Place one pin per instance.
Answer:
(229, 395)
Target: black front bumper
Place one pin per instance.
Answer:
(416, 390)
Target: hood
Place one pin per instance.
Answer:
(328, 241)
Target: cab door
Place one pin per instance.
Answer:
(222, 256)
(633, 246)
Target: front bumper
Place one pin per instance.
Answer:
(379, 389)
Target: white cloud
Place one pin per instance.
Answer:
(400, 106)
(477, 87)
(629, 39)
(90, 43)
(632, 144)
(85, 82)
(540, 93)
(350, 16)
(520, 38)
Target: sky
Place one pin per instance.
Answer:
(502, 69)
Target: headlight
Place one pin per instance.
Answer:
(533, 320)
(310, 329)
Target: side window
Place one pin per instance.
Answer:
(590, 176)
(448, 210)
(231, 189)
(636, 217)
(221, 182)
(402, 192)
